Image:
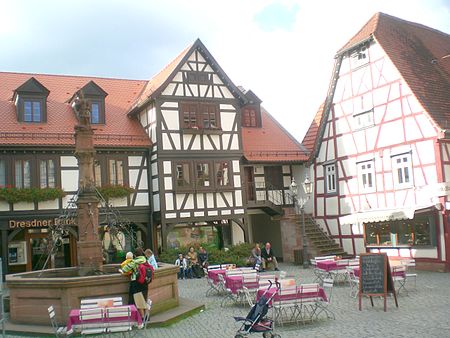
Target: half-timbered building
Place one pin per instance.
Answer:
(380, 143)
(37, 152)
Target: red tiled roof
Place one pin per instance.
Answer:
(422, 56)
(310, 139)
(119, 130)
(271, 143)
(159, 79)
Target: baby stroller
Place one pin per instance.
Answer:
(255, 320)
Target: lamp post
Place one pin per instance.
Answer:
(307, 187)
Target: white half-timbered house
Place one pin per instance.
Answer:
(192, 112)
(380, 143)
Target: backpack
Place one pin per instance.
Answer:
(144, 273)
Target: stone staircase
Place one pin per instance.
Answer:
(319, 242)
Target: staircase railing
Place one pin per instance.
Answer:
(271, 193)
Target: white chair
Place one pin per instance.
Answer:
(411, 271)
(309, 296)
(285, 305)
(214, 267)
(113, 324)
(323, 305)
(353, 282)
(60, 331)
(88, 327)
(89, 303)
(399, 277)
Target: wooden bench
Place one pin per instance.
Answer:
(89, 303)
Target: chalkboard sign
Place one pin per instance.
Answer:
(373, 277)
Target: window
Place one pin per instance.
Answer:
(95, 112)
(22, 173)
(364, 119)
(31, 99)
(199, 116)
(402, 170)
(115, 172)
(273, 177)
(32, 111)
(222, 173)
(419, 231)
(249, 118)
(183, 175)
(47, 175)
(366, 172)
(198, 78)
(2, 173)
(359, 57)
(330, 178)
(97, 173)
(203, 175)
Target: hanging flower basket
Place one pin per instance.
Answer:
(14, 195)
(115, 191)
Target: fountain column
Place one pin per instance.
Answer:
(89, 245)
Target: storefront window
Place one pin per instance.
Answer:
(187, 235)
(416, 232)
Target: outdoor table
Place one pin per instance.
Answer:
(327, 265)
(74, 319)
(214, 275)
(297, 295)
(234, 283)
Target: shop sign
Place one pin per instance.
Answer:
(40, 223)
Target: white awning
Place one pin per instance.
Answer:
(379, 215)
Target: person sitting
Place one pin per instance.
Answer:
(203, 258)
(268, 257)
(255, 258)
(151, 258)
(193, 265)
(182, 263)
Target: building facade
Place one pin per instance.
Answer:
(184, 142)
(380, 156)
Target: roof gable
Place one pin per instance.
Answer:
(93, 89)
(159, 82)
(32, 86)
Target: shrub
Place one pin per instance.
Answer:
(236, 254)
(112, 191)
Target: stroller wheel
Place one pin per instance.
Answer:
(267, 335)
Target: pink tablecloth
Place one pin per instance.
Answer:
(74, 318)
(327, 265)
(297, 295)
(214, 275)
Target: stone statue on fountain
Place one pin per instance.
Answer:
(89, 245)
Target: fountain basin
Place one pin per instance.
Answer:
(31, 293)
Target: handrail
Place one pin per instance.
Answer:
(272, 194)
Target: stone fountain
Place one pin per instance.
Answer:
(31, 293)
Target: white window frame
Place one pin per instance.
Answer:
(402, 170)
(330, 178)
(367, 176)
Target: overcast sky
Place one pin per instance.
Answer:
(282, 50)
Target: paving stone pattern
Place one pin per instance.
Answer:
(423, 312)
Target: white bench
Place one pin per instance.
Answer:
(90, 303)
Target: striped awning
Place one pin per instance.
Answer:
(379, 215)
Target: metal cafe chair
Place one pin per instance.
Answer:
(92, 321)
(60, 331)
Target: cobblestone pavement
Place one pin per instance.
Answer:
(423, 312)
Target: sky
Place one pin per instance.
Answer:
(283, 50)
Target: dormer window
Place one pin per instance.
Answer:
(96, 97)
(249, 118)
(251, 112)
(31, 102)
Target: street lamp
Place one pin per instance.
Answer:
(307, 187)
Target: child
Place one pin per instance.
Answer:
(126, 268)
(182, 263)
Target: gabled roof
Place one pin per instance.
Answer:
(93, 89)
(119, 130)
(312, 135)
(32, 86)
(422, 56)
(271, 143)
(157, 84)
